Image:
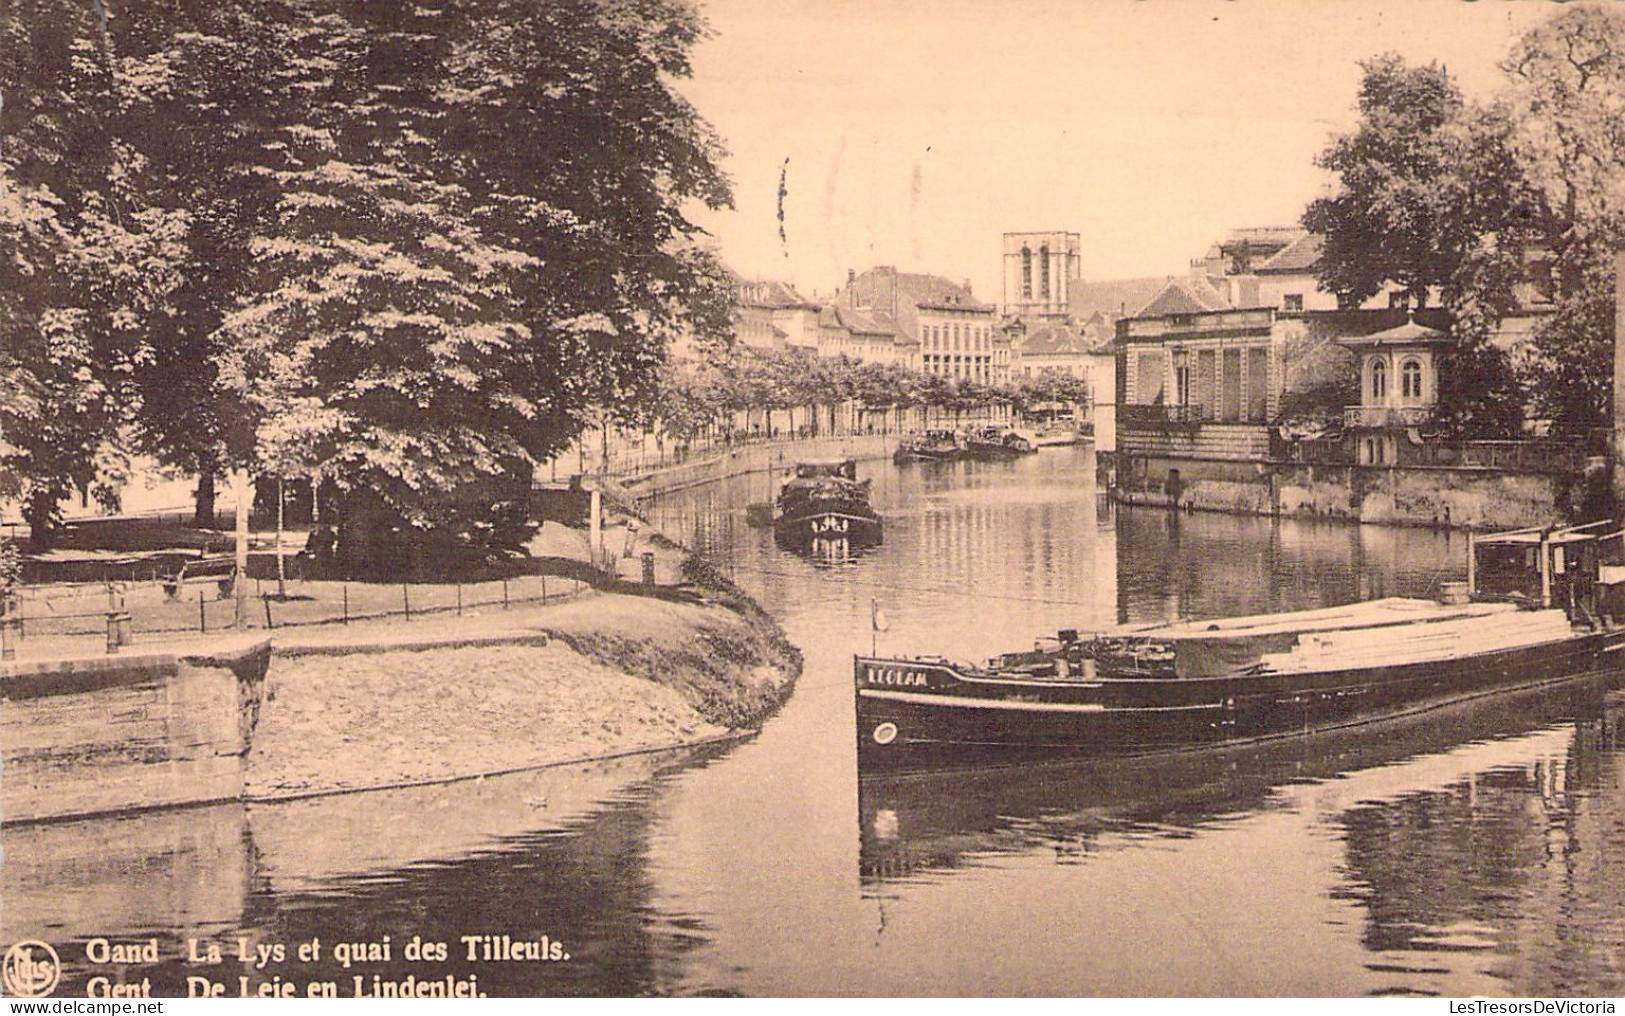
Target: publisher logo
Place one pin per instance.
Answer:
(30, 970)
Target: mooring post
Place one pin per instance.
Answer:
(10, 627)
(202, 614)
(1472, 566)
(1545, 567)
(345, 589)
(406, 601)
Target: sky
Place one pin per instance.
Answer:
(915, 132)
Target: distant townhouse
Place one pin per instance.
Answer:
(862, 336)
(1048, 347)
(770, 315)
(954, 334)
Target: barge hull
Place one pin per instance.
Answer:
(912, 714)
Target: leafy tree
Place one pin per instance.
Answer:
(481, 251)
(1573, 357)
(84, 261)
(1566, 101)
(1396, 217)
(1480, 394)
(207, 93)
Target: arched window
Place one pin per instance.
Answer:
(1379, 381)
(1410, 380)
(1026, 273)
(1043, 271)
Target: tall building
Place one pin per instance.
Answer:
(1040, 270)
(948, 330)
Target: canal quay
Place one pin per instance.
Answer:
(1465, 851)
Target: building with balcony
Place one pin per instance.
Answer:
(1399, 387)
(1198, 384)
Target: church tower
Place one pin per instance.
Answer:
(1039, 271)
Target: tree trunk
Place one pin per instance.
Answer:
(40, 512)
(245, 498)
(203, 508)
(281, 568)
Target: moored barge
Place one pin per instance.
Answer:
(932, 446)
(997, 443)
(825, 501)
(1536, 611)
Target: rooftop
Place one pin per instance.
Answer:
(1185, 296)
(1408, 334)
(1047, 338)
(1112, 298)
(1296, 258)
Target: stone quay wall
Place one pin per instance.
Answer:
(755, 458)
(1462, 498)
(105, 735)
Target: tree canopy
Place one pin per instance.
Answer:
(402, 248)
(1483, 200)
(86, 260)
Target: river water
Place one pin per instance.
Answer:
(1471, 851)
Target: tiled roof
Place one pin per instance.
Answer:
(917, 288)
(1295, 258)
(833, 315)
(1113, 298)
(769, 293)
(1262, 238)
(1410, 333)
(1048, 338)
(1185, 296)
(936, 291)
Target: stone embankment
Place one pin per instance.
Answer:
(390, 704)
(754, 458)
(404, 702)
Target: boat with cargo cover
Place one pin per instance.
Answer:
(997, 443)
(1539, 607)
(932, 446)
(823, 501)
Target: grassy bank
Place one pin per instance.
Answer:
(621, 673)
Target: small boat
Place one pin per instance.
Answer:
(825, 501)
(1056, 437)
(993, 443)
(1538, 609)
(932, 446)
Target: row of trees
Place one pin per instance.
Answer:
(394, 247)
(694, 402)
(1471, 198)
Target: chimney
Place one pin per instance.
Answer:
(850, 276)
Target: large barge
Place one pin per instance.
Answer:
(1534, 612)
(824, 501)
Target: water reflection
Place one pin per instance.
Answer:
(555, 851)
(1174, 565)
(1518, 866)
(1476, 849)
(917, 824)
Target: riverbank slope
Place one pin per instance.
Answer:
(396, 704)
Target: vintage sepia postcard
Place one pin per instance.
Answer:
(540, 498)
